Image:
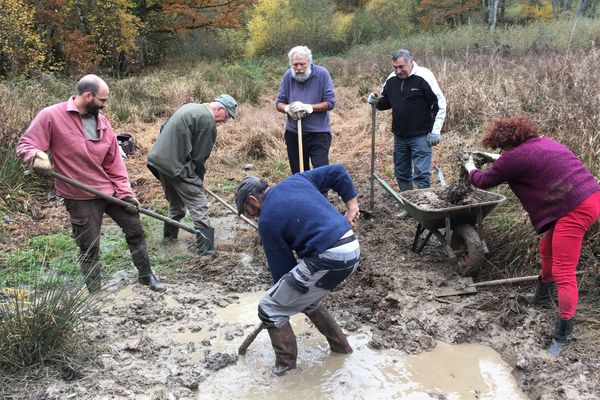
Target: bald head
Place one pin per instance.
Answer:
(90, 83)
(92, 94)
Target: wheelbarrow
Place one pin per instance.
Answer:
(462, 237)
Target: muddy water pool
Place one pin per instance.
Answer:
(466, 371)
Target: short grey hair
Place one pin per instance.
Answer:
(89, 83)
(300, 51)
(402, 53)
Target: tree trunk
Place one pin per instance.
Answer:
(555, 9)
(493, 18)
(581, 7)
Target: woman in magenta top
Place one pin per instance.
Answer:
(561, 197)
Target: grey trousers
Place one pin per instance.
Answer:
(308, 283)
(183, 196)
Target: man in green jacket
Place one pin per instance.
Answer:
(178, 160)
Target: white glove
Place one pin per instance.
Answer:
(288, 109)
(468, 162)
(301, 109)
(41, 162)
(486, 157)
(372, 99)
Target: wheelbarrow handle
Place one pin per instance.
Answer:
(388, 188)
(120, 202)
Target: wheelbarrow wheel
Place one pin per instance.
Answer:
(466, 244)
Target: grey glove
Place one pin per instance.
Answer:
(135, 205)
(468, 162)
(373, 99)
(486, 157)
(433, 138)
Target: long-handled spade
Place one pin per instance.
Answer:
(259, 327)
(370, 211)
(123, 203)
(300, 152)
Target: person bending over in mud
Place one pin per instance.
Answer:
(562, 198)
(295, 217)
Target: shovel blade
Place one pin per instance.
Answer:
(462, 286)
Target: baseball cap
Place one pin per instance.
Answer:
(246, 187)
(229, 103)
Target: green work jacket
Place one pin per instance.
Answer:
(184, 144)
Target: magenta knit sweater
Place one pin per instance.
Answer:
(548, 179)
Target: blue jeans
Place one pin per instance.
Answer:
(412, 162)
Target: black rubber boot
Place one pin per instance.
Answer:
(283, 341)
(170, 231)
(205, 240)
(326, 324)
(90, 270)
(542, 295)
(562, 336)
(139, 254)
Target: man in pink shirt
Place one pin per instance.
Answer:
(84, 148)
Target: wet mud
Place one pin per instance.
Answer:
(176, 345)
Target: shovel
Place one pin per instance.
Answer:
(248, 341)
(300, 152)
(440, 175)
(123, 203)
(372, 175)
(220, 200)
(467, 286)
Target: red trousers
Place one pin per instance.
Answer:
(560, 248)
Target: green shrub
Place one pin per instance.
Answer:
(17, 183)
(45, 328)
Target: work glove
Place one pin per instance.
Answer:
(468, 162)
(372, 99)
(288, 109)
(135, 205)
(301, 109)
(41, 163)
(433, 138)
(486, 157)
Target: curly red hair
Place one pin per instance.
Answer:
(509, 132)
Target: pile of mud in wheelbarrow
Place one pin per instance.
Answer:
(454, 215)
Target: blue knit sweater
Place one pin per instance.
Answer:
(296, 217)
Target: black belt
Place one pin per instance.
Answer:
(343, 241)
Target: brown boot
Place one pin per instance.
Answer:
(326, 324)
(286, 350)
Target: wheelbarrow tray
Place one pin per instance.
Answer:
(430, 218)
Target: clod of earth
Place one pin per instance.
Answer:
(438, 198)
(217, 361)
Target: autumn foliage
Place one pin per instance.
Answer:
(71, 37)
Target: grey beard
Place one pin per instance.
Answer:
(302, 77)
